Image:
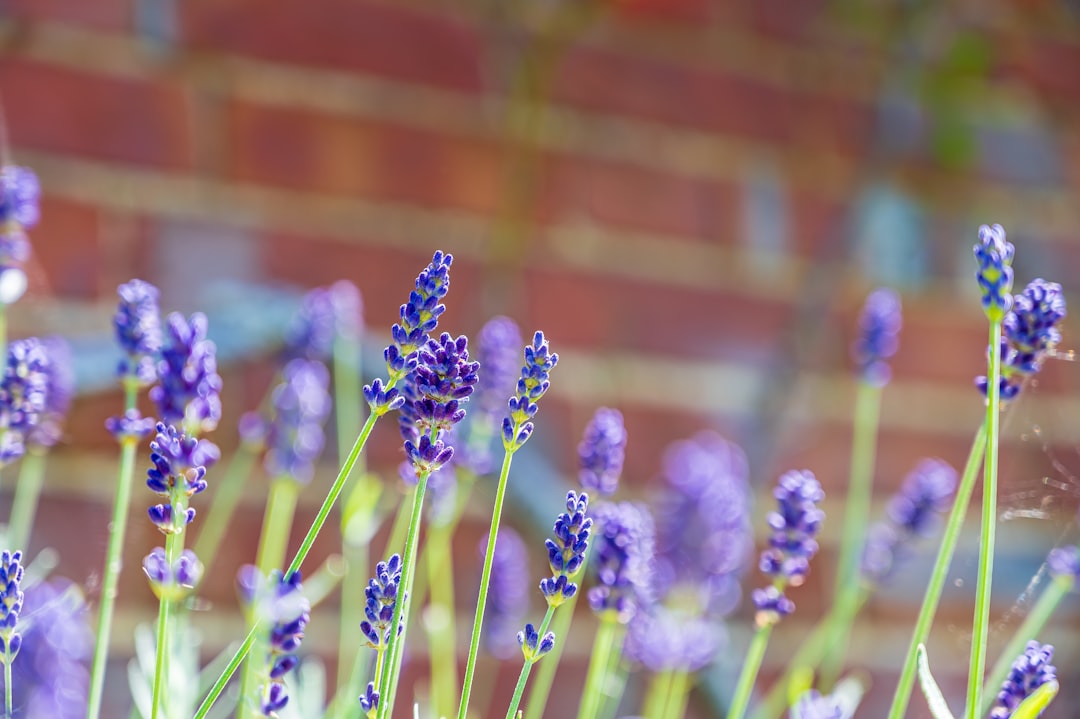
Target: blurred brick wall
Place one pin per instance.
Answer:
(303, 142)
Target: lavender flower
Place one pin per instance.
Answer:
(532, 645)
(310, 332)
(813, 705)
(602, 452)
(994, 255)
(348, 308)
(1029, 333)
(382, 400)
(497, 351)
(879, 326)
(566, 552)
(913, 513)
(1064, 562)
(23, 395)
(531, 386)
(674, 637)
(507, 592)
(381, 594)
(301, 405)
(623, 548)
(189, 388)
(59, 388)
(369, 700)
(138, 330)
(419, 316)
(178, 473)
(792, 543)
(174, 581)
(19, 196)
(11, 604)
(1029, 672)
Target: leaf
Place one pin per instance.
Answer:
(1034, 705)
(933, 695)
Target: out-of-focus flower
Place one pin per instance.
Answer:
(310, 333)
(497, 349)
(23, 395)
(172, 582)
(879, 327)
(1030, 671)
(178, 473)
(601, 452)
(507, 592)
(19, 211)
(138, 331)
(60, 387)
(189, 386)
(623, 548)
(1064, 562)
(301, 405)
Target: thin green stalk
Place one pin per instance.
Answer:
(8, 689)
(545, 676)
(679, 695)
(603, 645)
(27, 493)
(939, 574)
(856, 512)
(277, 523)
(442, 637)
(527, 665)
(174, 545)
(1030, 628)
(396, 645)
(227, 493)
(751, 665)
(981, 622)
(485, 579)
(298, 560)
(113, 560)
(656, 698)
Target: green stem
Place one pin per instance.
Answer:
(939, 574)
(443, 637)
(110, 580)
(603, 645)
(277, 523)
(679, 695)
(485, 578)
(1030, 628)
(227, 493)
(298, 560)
(27, 493)
(396, 645)
(751, 665)
(174, 545)
(8, 689)
(656, 698)
(856, 512)
(526, 667)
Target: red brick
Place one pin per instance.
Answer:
(333, 153)
(106, 118)
(101, 14)
(67, 258)
(370, 37)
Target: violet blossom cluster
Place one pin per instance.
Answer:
(419, 317)
(24, 391)
(295, 437)
(19, 211)
(1064, 563)
(59, 391)
(137, 323)
(1030, 671)
(497, 350)
(507, 592)
(531, 386)
(189, 387)
(792, 543)
(994, 255)
(602, 452)
(878, 339)
(623, 548)
(381, 597)
(566, 551)
(11, 604)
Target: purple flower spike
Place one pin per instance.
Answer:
(23, 395)
(189, 388)
(441, 384)
(179, 462)
(498, 345)
(566, 552)
(301, 405)
(280, 602)
(879, 327)
(1029, 672)
(602, 452)
(1064, 562)
(419, 316)
(532, 384)
(508, 592)
(60, 387)
(130, 425)
(310, 332)
(176, 581)
(624, 544)
(792, 543)
(532, 645)
(382, 400)
(666, 638)
(381, 598)
(914, 513)
(11, 603)
(994, 255)
(20, 192)
(369, 700)
(138, 330)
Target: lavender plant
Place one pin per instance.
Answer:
(11, 604)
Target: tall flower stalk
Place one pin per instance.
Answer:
(517, 428)
(11, 604)
(138, 330)
(994, 256)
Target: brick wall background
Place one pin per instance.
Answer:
(690, 198)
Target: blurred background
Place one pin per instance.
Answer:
(691, 198)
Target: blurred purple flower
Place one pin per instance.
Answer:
(189, 386)
(301, 404)
(601, 452)
(879, 327)
(507, 593)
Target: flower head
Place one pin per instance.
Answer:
(879, 327)
(812, 704)
(138, 330)
(24, 391)
(301, 404)
(11, 604)
(566, 552)
(19, 196)
(130, 425)
(497, 349)
(59, 389)
(532, 385)
(1064, 562)
(444, 379)
(419, 316)
(369, 700)
(189, 388)
(602, 451)
(178, 473)
(1030, 671)
(623, 548)
(381, 599)
(533, 646)
(913, 513)
(507, 593)
(172, 581)
(792, 544)
(310, 332)
(672, 636)
(994, 255)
